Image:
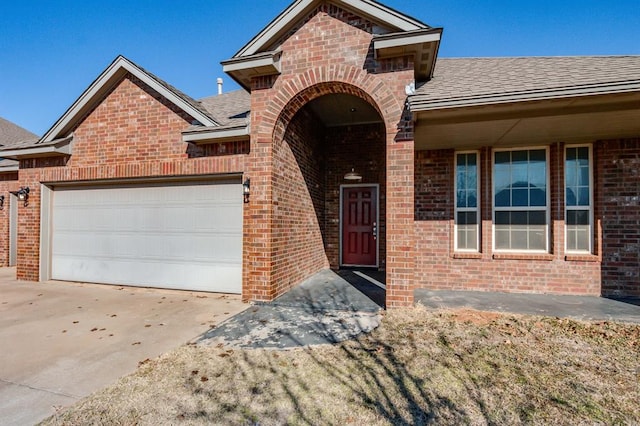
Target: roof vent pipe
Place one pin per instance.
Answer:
(219, 86)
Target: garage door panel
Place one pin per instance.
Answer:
(186, 236)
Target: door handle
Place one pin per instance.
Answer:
(375, 230)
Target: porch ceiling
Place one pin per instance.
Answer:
(343, 110)
(566, 120)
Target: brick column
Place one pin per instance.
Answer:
(401, 261)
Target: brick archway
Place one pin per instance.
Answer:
(298, 90)
(284, 240)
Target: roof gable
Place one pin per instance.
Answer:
(384, 16)
(114, 73)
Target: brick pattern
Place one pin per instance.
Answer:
(133, 133)
(343, 152)
(298, 204)
(8, 182)
(438, 267)
(618, 201)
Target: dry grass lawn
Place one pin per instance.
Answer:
(420, 366)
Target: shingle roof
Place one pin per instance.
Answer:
(11, 134)
(476, 78)
(229, 109)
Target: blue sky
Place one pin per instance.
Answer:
(51, 51)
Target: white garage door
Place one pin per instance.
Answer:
(180, 236)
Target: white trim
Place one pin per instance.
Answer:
(216, 135)
(45, 232)
(590, 208)
(466, 209)
(298, 9)
(39, 151)
(115, 71)
(547, 208)
(405, 41)
(270, 60)
(360, 185)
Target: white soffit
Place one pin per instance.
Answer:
(117, 70)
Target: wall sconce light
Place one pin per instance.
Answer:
(22, 194)
(352, 175)
(1, 202)
(246, 189)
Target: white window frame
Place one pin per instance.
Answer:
(467, 209)
(526, 209)
(591, 200)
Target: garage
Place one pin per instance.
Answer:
(177, 235)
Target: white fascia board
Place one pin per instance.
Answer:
(606, 89)
(297, 10)
(274, 28)
(39, 151)
(405, 41)
(383, 14)
(270, 60)
(116, 70)
(213, 135)
(9, 169)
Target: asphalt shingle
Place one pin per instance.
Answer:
(460, 78)
(12, 134)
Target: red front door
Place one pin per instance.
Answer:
(359, 226)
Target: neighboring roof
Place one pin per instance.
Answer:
(484, 81)
(114, 73)
(11, 134)
(376, 12)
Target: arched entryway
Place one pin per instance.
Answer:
(320, 219)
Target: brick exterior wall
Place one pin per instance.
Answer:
(133, 133)
(439, 267)
(298, 203)
(8, 182)
(361, 147)
(618, 209)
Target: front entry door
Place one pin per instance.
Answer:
(360, 226)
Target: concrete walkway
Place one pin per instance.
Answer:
(586, 308)
(329, 307)
(60, 342)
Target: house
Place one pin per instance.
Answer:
(351, 145)
(10, 135)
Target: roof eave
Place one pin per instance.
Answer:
(423, 45)
(217, 135)
(62, 147)
(242, 70)
(418, 106)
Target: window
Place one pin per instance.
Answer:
(521, 206)
(467, 236)
(578, 219)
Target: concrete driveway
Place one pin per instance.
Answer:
(60, 342)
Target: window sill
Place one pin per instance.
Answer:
(523, 256)
(582, 258)
(463, 255)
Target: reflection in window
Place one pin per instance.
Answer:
(467, 201)
(578, 218)
(520, 203)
